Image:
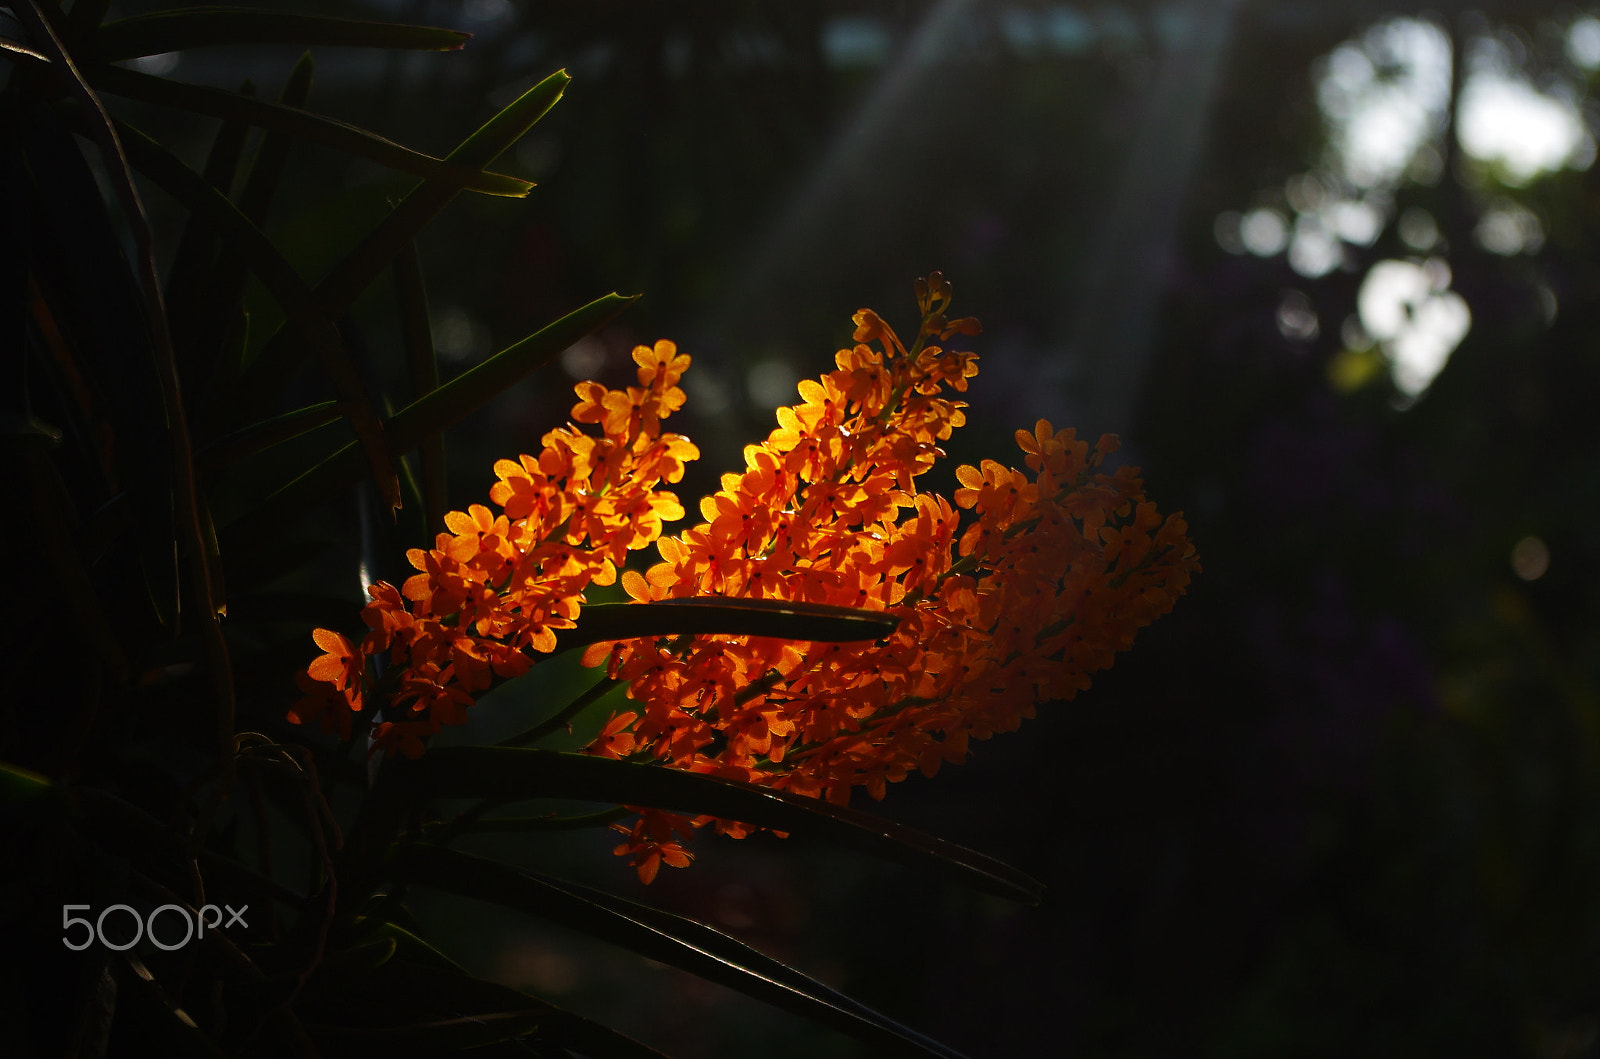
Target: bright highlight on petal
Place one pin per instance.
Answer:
(496, 587)
(1047, 578)
(1051, 577)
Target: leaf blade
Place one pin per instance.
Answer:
(440, 409)
(518, 773)
(357, 269)
(158, 32)
(256, 437)
(729, 615)
(352, 275)
(291, 292)
(315, 128)
(667, 938)
(469, 391)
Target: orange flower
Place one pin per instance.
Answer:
(1051, 577)
(651, 841)
(1052, 574)
(323, 704)
(341, 666)
(497, 586)
(614, 741)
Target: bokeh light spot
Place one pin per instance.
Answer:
(1351, 369)
(1385, 97)
(584, 358)
(1508, 228)
(1314, 251)
(1414, 316)
(1226, 230)
(771, 383)
(1522, 132)
(1583, 43)
(1297, 318)
(708, 393)
(458, 337)
(1418, 229)
(856, 41)
(1264, 232)
(1530, 558)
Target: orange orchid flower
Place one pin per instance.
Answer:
(1052, 574)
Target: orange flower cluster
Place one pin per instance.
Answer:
(1061, 565)
(1056, 569)
(497, 586)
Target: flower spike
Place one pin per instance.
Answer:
(1042, 583)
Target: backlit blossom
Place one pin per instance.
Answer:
(497, 586)
(1050, 577)
(1008, 594)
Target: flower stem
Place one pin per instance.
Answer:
(564, 718)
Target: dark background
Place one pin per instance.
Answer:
(1343, 800)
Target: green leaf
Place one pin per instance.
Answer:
(728, 615)
(273, 154)
(352, 275)
(204, 27)
(508, 126)
(408, 946)
(523, 824)
(442, 408)
(315, 128)
(358, 960)
(285, 285)
(80, 274)
(472, 389)
(18, 784)
(664, 937)
(229, 323)
(514, 773)
(416, 331)
(195, 297)
(16, 425)
(257, 437)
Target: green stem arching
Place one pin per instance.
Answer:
(563, 718)
(550, 822)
